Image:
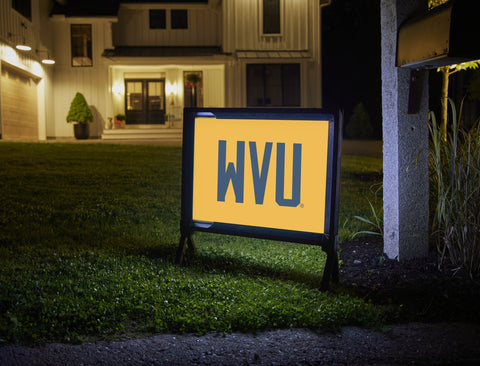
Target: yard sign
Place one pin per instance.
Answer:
(265, 173)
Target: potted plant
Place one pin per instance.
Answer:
(81, 115)
(120, 121)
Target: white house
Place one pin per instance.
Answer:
(149, 60)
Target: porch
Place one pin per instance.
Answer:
(144, 133)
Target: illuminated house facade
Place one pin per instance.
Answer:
(149, 60)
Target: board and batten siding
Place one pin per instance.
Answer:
(91, 81)
(133, 29)
(242, 26)
(214, 87)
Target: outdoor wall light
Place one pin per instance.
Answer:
(118, 89)
(23, 47)
(172, 89)
(21, 43)
(46, 60)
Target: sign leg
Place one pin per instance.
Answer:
(185, 242)
(331, 271)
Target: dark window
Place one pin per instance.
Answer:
(271, 17)
(158, 19)
(24, 7)
(81, 45)
(179, 19)
(273, 85)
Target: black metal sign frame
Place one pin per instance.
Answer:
(327, 240)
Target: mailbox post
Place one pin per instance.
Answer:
(413, 41)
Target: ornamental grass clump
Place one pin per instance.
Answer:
(455, 181)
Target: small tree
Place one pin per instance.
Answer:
(79, 110)
(446, 72)
(359, 125)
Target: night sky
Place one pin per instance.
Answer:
(351, 58)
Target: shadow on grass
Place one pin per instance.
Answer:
(224, 263)
(217, 263)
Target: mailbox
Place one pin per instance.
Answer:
(446, 35)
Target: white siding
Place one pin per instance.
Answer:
(214, 88)
(92, 81)
(133, 29)
(243, 32)
(37, 34)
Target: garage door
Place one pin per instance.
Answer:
(18, 102)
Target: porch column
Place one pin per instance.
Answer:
(405, 144)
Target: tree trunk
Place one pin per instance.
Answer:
(444, 98)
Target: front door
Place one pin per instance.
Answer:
(145, 101)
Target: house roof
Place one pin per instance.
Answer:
(85, 8)
(159, 51)
(274, 54)
(89, 8)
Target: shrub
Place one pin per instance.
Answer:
(359, 125)
(455, 180)
(79, 110)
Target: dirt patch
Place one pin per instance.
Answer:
(417, 289)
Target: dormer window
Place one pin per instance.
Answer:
(179, 19)
(168, 19)
(158, 19)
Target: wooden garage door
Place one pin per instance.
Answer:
(19, 105)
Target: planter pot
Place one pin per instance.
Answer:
(81, 131)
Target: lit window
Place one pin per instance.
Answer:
(158, 19)
(81, 45)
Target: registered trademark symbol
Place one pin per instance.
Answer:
(301, 205)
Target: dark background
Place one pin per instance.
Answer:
(351, 47)
(351, 58)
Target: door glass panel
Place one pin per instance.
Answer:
(134, 96)
(255, 85)
(156, 95)
(291, 84)
(273, 85)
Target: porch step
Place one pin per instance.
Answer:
(143, 134)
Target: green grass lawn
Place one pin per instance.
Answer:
(88, 234)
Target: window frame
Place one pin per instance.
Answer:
(262, 18)
(153, 13)
(89, 45)
(173, 25)
(283, 81)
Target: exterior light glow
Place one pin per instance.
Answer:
(48, 61)
(172, 89)
(23, 47)
(118, 89)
